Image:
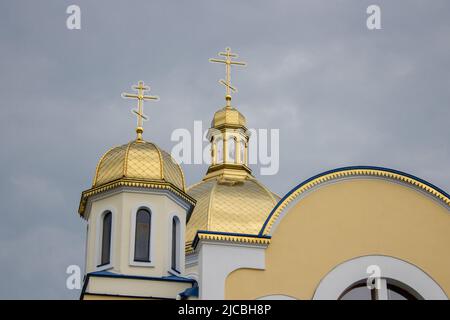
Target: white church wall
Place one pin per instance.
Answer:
(217, 260)
(97, 209)
(124, 205)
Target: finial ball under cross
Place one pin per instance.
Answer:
(140, 97)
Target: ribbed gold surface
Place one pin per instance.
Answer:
(240, 207)
(172, 172)
(110, 166)
(139, 160)
(228, 116)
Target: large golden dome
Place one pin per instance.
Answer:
(138, 160)
(229, 206)
(137, 164)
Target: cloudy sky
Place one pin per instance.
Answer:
(339, 93)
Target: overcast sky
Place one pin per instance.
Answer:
(339, 94)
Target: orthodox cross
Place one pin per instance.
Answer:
(228, 63)
(140, 97)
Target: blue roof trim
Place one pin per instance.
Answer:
(190, 292)
(107, 274)
(194, 243)
(232, 234)
(347, 169)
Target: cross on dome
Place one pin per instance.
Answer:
(141, 88)
(228, 63)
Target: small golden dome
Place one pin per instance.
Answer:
(229, 206)
(140, 160)
(228, 116)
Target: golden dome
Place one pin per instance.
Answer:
(229, 206)
(139, 160)
(228, 116)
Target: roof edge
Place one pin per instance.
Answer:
(351, 171)
(139, 183)
(230, 237)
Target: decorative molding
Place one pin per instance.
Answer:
(227, 237)
(124, 182)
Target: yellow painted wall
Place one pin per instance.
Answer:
(344, 220)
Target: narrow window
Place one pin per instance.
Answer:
(219, 150)
(142, 236)
(175, 243)
(231, 146)
(106, 238)
(242, 151)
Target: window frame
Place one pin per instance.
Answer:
(147, 212)
(231, 142)
(180, 249)
(219, 141)
(242, 147)
(175, 249)
(382, 293)
(99, 266)
(134, 212)
(343, 275)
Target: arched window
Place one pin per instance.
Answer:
(390, 276)
(106, 239)
(231, 149)
(242, 151)
(175, 244)
(142, 236)
(359, 291)
(219, 150)
(389, 290)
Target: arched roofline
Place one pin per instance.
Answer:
(351, 171)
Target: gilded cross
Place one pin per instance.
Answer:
(140, 97)
(228, 63)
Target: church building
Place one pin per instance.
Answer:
(349, 233)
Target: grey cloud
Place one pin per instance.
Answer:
(340, 95)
